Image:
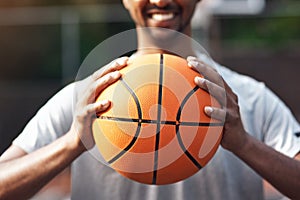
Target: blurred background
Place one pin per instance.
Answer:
(42, 44)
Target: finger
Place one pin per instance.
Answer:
(112, 66)
(206, 70)
(204, 59)
(102, 83)
(97, 107)
(213, 89)
(216, 113)
(193, 60)
(101, 106)
(94, 89)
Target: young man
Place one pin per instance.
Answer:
(254, 120)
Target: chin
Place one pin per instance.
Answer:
(163, 36)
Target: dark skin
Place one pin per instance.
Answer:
(285, 173)
(47, 162)
(18, 181)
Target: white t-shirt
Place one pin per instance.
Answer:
(264, 116)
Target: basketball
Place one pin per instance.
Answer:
(156, 131)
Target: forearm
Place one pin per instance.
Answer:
(23, 177)
(281, 171)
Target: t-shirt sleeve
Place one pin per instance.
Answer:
(50, 122)
(264, 115)
(281, 129)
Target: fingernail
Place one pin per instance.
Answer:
(208, 109)
(199, 80)
(104, 103)
(193, 64)
(116, 74)
(189, 58)
(122, 61)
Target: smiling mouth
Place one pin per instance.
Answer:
(162, 16)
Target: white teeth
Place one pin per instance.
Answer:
(163, 17)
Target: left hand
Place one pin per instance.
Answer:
(234, 134)
(87, 107)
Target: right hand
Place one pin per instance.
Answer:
(86, 106)
(235, 136)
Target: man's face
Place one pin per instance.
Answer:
(171, 14)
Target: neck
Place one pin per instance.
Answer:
(159, 40)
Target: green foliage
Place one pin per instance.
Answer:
(277, 28)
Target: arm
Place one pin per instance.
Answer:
(269, 191)
(59, 185)
(22, 175)
(279, 170)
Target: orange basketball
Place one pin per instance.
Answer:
(156, 131)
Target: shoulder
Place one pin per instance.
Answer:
(51, 121)
(241, 84)
(254, 96)
(65, 92)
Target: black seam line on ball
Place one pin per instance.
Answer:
(120, 154)
(186, 152)
(138, 130)
(178, 116)
(159, 102)
(136, 100)
(186, 98)
(167, 122)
